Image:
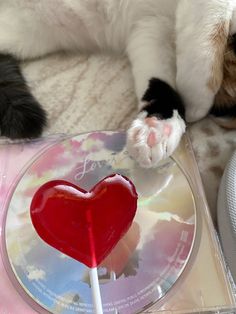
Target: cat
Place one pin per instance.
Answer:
(176, 50)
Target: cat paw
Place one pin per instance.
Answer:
(149, 139)
(22, 117)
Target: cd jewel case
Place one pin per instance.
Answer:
(168, 262)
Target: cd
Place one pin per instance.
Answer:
(147, 262)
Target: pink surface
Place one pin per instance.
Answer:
(12, 159)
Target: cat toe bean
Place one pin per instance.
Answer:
(150, 140)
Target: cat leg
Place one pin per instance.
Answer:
(23, 33)
(156, 132)
(21, 116)
(21, 36)
(202, 29)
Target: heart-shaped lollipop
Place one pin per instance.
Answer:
(84, 225)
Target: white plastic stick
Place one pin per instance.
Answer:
(113, 275)
(113, 278)
(97, 300)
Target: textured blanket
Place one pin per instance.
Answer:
(85, 93)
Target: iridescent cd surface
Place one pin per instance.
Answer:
(145, 264)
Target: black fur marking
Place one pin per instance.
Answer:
(21, 116)
(224, 111)
(162, 100)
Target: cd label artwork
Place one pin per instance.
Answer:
(145, 264)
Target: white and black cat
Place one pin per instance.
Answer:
(175, 47)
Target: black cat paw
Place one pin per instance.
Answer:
(21, 117)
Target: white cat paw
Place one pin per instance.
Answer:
(149, 140)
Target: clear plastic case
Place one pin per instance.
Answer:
(169, 261)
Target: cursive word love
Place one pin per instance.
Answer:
(90, 165)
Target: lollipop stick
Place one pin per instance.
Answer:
(113, 275)
(97, 300)
(113, 278)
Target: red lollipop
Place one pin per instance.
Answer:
(85, 225)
